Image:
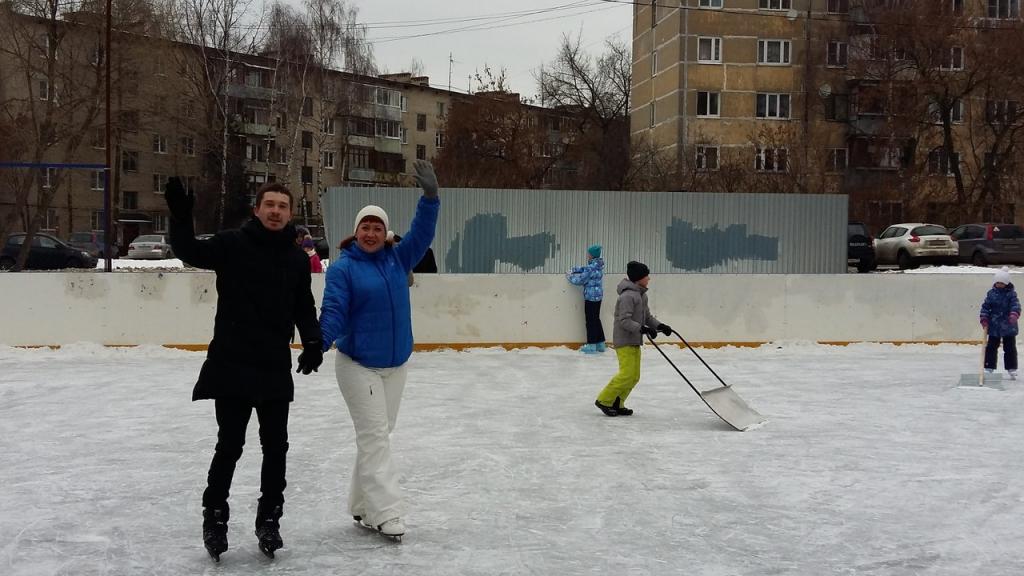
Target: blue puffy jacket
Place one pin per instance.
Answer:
(999, 304)
(591, 278)
(366, 310)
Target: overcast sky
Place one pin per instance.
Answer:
(519, 36)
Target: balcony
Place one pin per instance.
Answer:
(246, 91)
(258, 129)
(364, 174)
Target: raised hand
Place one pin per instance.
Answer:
(425, 178)
(179, 202)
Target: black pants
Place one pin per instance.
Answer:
(1009, 352)
(592, 312)
(232, 420)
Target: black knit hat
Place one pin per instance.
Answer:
(637, 270)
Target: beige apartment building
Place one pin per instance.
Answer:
(787, 92)
(344, 130)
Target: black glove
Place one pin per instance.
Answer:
(651, 332)
(179, 202)
(310, 358)
(425, 178)
(665, 329)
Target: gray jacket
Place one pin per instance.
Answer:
(631, 312)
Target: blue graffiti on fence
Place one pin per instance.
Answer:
(485, 241)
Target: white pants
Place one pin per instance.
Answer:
(373, 396)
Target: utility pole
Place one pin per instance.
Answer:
(450, 62)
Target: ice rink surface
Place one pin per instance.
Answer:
(871, 462)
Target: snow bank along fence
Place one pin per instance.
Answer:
(462, 310)
(487, 231)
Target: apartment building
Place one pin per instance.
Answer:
(335, 129)
(817, 96)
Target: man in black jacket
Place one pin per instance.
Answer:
(263, 294)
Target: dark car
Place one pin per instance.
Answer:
(92, 242)
(984, 244)
(860, 249)
(46, 253)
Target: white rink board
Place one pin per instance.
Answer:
(178, 307)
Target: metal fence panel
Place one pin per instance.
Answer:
(548, 231)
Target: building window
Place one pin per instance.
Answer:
(710, 3)
(440, 109)
(885, 211)
(282, 154)
(1003, 9)
(96, 180)
(129, 120)
(159, 222)
(358, 158)
(709, 50)
(421, 122)
(652, 114)
(307, 174)
(159, 183)
(99, 138)
(955, 61)
(49, 177)
(654, 62)
(837, 54)
(421, 152)
(1001, 111)
(129, 161)
(129, 200)
(97, 221)
(328, 125)
(188, 146)
(44, 89)
(707, 104)
(774, 4)
(307, 139)
(838, 159)
(707, 158)
(405, 135)
(938, 165)
(771, 160)
(307, 107)
(838, 6)
(159, 144)
(957, 6)
(390, 129)
(254, 152)
(956, 112)
(439, 140)
(327, 159)
(773, 106)
(50, 224)
(775, 52)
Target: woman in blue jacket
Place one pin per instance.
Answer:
(367, 316)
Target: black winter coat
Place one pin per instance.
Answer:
(263, 293)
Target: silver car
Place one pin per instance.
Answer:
(151, 247)
(908, 245)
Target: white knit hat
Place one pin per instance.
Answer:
(1002, 275)
(371, 210)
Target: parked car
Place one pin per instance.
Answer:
(908, 245)
(92, 242)
(860, 248)
(151, 246)
(45, 253)
(984, 244)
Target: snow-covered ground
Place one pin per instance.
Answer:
(872, 462)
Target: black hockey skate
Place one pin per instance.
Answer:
(215, 531)
(621, 410)
(268, 530)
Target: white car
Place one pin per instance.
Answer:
(910, 244)
(151, 246)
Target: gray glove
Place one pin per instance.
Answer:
(425, 178)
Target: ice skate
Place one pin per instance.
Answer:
(1012, 373)
(622, 410)
(215, 532)
(268, 530)
(393, 528)
(589, 349)
(601, 347)
(608, 410)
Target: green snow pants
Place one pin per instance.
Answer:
(622, 383)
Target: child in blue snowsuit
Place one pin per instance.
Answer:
(591, 277)
(999, 315)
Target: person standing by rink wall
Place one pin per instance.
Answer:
(591, 277)
(999, 315)
(633, 319)
(366, 314)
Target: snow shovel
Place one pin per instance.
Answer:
(982, 379)
(723, 401)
